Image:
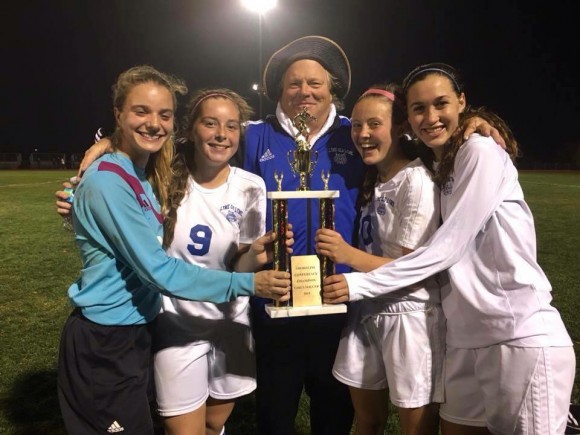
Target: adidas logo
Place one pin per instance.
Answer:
(115, 427)
(268, 155)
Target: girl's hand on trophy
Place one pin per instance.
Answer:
(289, 238)
(263, 247)
(335, 290)
(288, 242)
(272, 284)
(331, 244)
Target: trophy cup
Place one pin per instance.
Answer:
(308, 271)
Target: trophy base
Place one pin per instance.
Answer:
(315, 310)
(303, 194)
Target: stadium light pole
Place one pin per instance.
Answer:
(260, 7)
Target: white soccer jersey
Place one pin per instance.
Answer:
(497, 291)
(404, 212)
(211, 223)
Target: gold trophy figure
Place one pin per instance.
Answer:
(301, 162)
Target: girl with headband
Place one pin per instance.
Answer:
(509, 364)
(392, 347)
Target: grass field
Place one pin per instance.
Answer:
(39, 260)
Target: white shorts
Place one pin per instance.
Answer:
(401, 348)
(509, 390)
(223, 367)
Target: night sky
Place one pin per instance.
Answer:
(60, 58)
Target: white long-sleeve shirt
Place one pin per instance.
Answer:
(497, 292)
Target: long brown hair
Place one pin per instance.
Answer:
(158, 168)
(184, 161)
(445, 169)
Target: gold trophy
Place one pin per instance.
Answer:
(308, 271)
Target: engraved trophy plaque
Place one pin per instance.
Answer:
(308, 271)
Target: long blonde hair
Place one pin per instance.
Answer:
(158, 168)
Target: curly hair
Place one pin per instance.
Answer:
(184, 162)
(445, 169)
(158, 168)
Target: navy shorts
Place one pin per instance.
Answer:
(104, 375)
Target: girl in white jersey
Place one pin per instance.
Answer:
(397, 341)
(204, 357)
(510, 365)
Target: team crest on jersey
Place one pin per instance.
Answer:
(447, 188)
(340, 159)
(232, 213)
(381, 205)
(340, 155)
